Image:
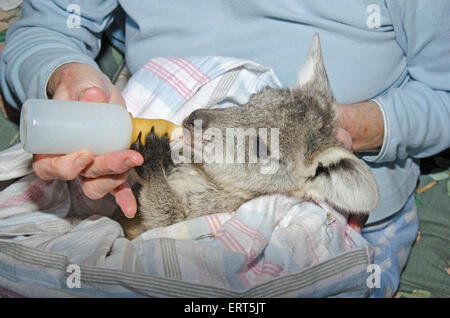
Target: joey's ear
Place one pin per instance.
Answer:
(312, 73)
(342, 181)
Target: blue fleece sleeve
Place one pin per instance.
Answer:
(417, 114)
(49, 35)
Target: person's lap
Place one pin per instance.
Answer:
(392, 239)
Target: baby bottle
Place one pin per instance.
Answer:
(61, 127)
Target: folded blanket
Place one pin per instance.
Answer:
(272, 246)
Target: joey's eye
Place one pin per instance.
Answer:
(260, 148)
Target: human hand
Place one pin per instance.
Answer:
(99, 175)
(360, 127)
(82, 82)
(363, 122)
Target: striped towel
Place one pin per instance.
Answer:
(56, 242)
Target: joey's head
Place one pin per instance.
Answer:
(284, 141)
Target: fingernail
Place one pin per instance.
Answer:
(83, 160)
(127, 210)
(132, 162)
(128, 213)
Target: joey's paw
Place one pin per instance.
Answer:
(132, 227)
(156, 153)
(157, 149)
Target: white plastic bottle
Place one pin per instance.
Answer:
(61, 127)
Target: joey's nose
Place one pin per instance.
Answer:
(199, 118)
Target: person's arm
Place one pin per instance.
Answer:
(46, 37)
(412, 120)
(43, 54)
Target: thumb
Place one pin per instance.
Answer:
(93, 94)
(345, 138)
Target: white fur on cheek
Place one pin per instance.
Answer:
(185, 178)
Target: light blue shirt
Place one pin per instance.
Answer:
(396, 52)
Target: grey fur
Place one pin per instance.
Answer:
(313, 164)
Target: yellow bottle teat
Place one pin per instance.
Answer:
(161, 127)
